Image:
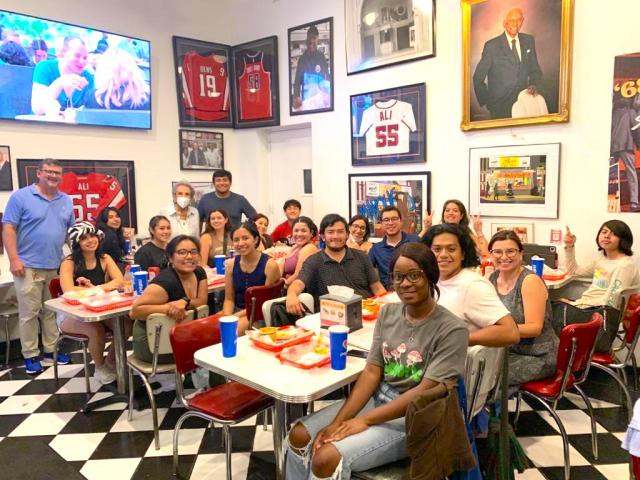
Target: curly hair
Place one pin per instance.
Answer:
(467, 245)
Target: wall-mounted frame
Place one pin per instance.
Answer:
(200, 150)
(526, 83)
(202, 83)
(199, 189)
(523, 230)
(389, 127)
(409, 191)
(256, 93)
(384, 32)
(6, 179)
(311, 67)
(515, 181)
(93, 185)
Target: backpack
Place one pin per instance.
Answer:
(280, 317)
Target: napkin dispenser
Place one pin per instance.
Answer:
(336, 310)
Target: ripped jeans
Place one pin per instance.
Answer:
(377, 445)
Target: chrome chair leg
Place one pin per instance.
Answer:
(130, 414)
(621, 384)
(85, 361)
(154, 411)
(227, 436)
(634, 363)
(55, 358)
(7, 348)
(594, 432)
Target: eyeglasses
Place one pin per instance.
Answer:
(390, 219)
(53, 173)
(358, 227)
(509, 252)
(413, 276)
(183, 253)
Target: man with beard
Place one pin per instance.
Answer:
(336, 264)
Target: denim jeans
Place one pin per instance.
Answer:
(377, 445)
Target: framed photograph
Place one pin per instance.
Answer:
(369, 193)
(516, 62)
(523, 230)
(201, 150)
(93, 185)
(6, 179)
(199, 188)
(515, 181)
(385, 32)
(389, 127)
(202, 83)
(311, 67)
(256, 97)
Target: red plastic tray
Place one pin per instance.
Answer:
(109, 306)
(305, 336)
(71, 301)
(552, 277)
(289, 361)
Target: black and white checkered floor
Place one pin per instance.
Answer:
(44, 435)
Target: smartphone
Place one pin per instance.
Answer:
(358, 353)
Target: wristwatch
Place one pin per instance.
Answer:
(188, 300)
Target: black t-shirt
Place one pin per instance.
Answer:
(169, 281)
(150, 255)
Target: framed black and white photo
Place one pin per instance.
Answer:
(200, 150)
(384, 32)
(6, 179)
(202, 83)
(311, 67)
(515, 181)
(388, 127)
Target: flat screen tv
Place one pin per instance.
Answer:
(61, 73)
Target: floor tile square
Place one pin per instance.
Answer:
(76, 446)
(172, 416)
(17, 373)
(123, 445)
(577, 473)
(108, 469)
(141, 421)
(41, 386)
(8, 423)
(609, 451)
(531, 424)
(575, 421)
(618, 471)
(77, 385)
(93, 422)
(595, 403)
(161, 468)
(22, 404)
(241, 440)
(213, 467)
(530, 474)
(189, 442)
(613, 419)
(9, 387)
(262, 466)
(524, 406)
(64, 371)
(113, 406)
(547, 451)
(72, 402)
(42, 424)
(263, 440)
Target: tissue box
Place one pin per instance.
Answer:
(340, 311)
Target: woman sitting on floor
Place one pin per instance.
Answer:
(416, 344)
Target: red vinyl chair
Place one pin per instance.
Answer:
(577, 343)
(254, 297)
(226, 404)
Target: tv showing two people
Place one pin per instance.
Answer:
(57, 72)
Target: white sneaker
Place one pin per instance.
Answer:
(104, 375)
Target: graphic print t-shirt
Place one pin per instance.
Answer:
(92, 193)
(435, 349)
(205, 83)
(387, 126)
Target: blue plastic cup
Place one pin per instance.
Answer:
(229, 335)
(219, 259)
(338, 335)
(537, 264)
(134, 268)
(140, 281)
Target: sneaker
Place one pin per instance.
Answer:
(104, 376)
(32, 365)
(63, 358)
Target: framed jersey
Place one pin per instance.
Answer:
(203, 83)
(256, 93)
(388, 127)
(93, 185)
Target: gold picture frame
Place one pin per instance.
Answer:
(483, 23)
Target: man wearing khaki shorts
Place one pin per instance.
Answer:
(35, 224)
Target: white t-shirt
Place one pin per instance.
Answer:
(387, 126)
(472, 298)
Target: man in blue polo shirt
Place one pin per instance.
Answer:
(381, 252)
(34, 228)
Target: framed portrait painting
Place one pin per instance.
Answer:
(6, 179)
(93, 185)
(384, 32)
(516, 62)
(515, 180)
(311, 67)
(256, 96)
(201, 150)
(369, 193)
(388, 127)
(202, 83)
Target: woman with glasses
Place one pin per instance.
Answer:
(416, 345)
(525, 295)
(303, 233)
(465, 292)
(359, 234)
(180, 287)
(249, 268)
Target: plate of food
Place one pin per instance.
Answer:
(313, 354)
(277, 338)
(73, 297)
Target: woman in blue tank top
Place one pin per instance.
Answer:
(249, 268)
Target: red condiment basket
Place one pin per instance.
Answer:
(303, 337)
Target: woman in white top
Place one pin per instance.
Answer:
(465, 292)
(613, 269)
(182, 215)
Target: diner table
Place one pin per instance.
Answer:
(286, 384)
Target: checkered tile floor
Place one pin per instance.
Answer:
(42, 430)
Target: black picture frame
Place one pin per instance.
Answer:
(389, 127)
(114, 185)
(318, 95)
(211, 145)
(6, 175)
(256, 105)
(216, 75)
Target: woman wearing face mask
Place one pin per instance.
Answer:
(304, 231)
(262, 222)
(153, 254)
(215, 240)
(359, 234)
(182, 215)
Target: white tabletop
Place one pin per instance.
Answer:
(260, 369)
(58, 305)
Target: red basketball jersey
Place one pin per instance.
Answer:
(205, 86)
(255, 89)
(92, 193)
